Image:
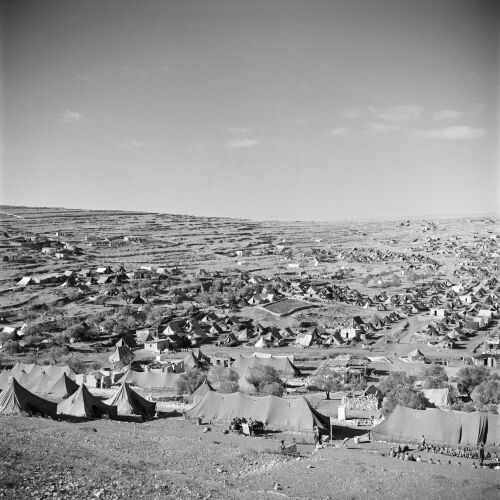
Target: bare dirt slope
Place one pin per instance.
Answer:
(176, 459)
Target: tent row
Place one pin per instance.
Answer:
(405, 425)
(80, 403)
(31, 375)
(276, 413)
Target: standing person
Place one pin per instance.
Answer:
(423, 442)
(316, 435)
(481, 454)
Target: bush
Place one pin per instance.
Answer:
(469, 377)
(261, 376)
(190, 381)
(76, 364)
(489, 392)
(274, 389)
(226, 379)
(405, 396)
(434, 377)
(12, 347)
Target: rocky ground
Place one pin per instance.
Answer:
(171, 458)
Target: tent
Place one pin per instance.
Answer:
(83, 404)
(198, 394)
(405, 425)
(16, 399)
(63, 387)
(276, 413)
(122, 354)
(261, 343)
(129, 402)
(55, 371)
(280, 363)
(151, 380)
(438, 397)
(192, 361)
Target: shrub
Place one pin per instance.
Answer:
(434, 377)
(274, 389)
(469, 377)
(226, 379)
(12, 347)
(261, 376)
(189, 381)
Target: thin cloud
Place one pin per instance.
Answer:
(137, 145)
(246, 142)
(239, 131)
(341, 131)
(351, 113)
(451, 133)
(383, 128)
(403, 112)
(447, 114)
(134, 71)
(69, 116)
(398, 113)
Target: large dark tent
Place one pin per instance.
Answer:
(276, 413)
(17, 399)
(129, 402)
(83, 404)
(405, 425)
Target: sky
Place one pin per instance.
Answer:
(292, 110)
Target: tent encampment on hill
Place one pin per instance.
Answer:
(83, 404)
(129, 402)
(16, 399)
(282, 364)
(405, 425)
(276, 413)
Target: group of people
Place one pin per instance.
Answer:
(479, 453)
(254, 426)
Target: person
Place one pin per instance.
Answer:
(422, 442)
(316, 435)
(481, 454)
(344, 442)
(282, 446)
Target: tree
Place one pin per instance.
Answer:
(404, 396)
(226, 379)
(469, 377)
(434, 377)
(190, 381)
(488, 392)
(398, 389)
(394, 381)
(326, 379)
(263, 376)
(12, 347)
